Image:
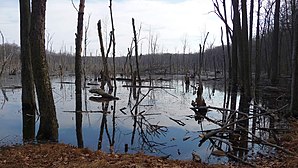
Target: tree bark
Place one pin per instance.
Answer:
(294, 91)
(114, 43)
(258, 53)
(27, 80)
(48, 127)
(78, 73)
(136, 50)
(244, 57)
(105, 74)
(275, 40)
(250, 37)
(234, 60)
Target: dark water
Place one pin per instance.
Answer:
(155, 133)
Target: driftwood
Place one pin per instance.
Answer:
(177, 121)
(231, 155)
(102, 99)
(268, 143)
(244, 118)
(66, 82)
(152, 87)
(86, 111)
(103, 94)
(11, 87)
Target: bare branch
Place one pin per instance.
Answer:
(74, 6)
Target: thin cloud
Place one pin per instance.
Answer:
(170, 19)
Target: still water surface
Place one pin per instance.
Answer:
(156, 133)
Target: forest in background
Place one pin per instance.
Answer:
(259, 51)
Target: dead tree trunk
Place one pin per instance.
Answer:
(48, 127)
(78, 73)
(275, 40)
(105, 74)
(250, 37)
(114, 44)
(258, 53)
(28, 95)
(234, 60)
(294, 91)
(136, 50)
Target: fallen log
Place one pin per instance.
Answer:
(103, 94)
(100, 111)
(102, 99)
(150, 87)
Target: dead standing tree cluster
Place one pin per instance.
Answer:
(233, 143)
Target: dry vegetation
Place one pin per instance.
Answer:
(61, 155)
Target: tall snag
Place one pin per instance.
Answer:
(78, 73)
(48, 127)
(105, 78)
(28, 95)
(114, 43)
(135, 39)
(275, 40)
(294, 95)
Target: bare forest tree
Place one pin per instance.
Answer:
(78, 73)
(105, 77)
(294, 90)
(48, 127)
(275, 43)
(27, 80)
(135, 39)
(113, 43)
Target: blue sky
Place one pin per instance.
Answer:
(171, 21)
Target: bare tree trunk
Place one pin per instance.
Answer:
(234, 61)
(78, 73)
(250, 37)
(114, 43)
(294, 91)
(275, 40)
(244, 61)
(258, 53)
(48, 127)
(136, 51)
(28, 95)
(85, 51)
(224, 67)
(105, 74)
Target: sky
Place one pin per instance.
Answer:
(172, 21)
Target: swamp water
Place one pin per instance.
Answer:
(164, 126)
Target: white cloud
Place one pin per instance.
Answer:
(170, 20)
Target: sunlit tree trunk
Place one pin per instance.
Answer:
(78, 73)
(28, 95)
(48, 127)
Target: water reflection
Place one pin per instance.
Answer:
(147, 121)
